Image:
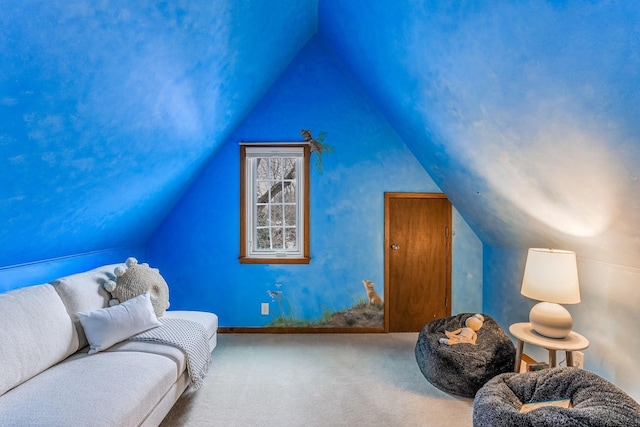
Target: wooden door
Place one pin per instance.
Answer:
(417, 260)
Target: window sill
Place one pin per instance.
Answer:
(283, 260)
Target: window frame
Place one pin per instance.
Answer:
(249, 255)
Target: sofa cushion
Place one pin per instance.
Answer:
(105, 389)
(84, 292)
(174, 353)
(206, 319)
(110, 325)
(36, 332)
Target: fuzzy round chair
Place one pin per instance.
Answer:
(463, 369)
(594, 400)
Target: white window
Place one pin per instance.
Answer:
(274, 223)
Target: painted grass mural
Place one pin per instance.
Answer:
(365, 313)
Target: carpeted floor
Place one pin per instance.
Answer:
(318, 380)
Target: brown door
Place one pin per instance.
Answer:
(417, 260)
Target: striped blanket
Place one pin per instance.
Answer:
(190, 337)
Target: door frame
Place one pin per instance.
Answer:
(387, 242)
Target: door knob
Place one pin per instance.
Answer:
(395, 246)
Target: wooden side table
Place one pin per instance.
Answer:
(525, 334)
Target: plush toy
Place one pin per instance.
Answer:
(467, 334)
(134, 280)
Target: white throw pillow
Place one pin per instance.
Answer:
(108, 326)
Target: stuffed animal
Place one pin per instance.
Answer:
(467, 334)
(134, 280)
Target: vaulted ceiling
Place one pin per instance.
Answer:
(110, 109)
(524, 113)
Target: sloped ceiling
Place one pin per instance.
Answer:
(109, 109)
(525, 113)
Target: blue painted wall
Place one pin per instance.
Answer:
(44, 271)
(109, 109)
(467, 268)
(197, 246)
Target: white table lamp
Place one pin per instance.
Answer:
(551, 276)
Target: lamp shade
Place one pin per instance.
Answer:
(551, 275)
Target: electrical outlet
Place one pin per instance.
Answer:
(578, 359)
(264, 308)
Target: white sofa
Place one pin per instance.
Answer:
(47, 378)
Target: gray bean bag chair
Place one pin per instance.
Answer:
(463, 368)
(594, 400)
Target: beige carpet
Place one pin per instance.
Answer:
(317, 380)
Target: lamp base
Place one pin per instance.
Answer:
(551, 320)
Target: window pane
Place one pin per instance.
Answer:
(262, 215)
(276, 215)
(262, 187)
(290, 215)
(276, 234)
(289, 168)
(276, 192)
(264, 240)
(275, 165)
(290, 234)
(290, 192)
(262, 169)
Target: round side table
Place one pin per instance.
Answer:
(525, 334)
